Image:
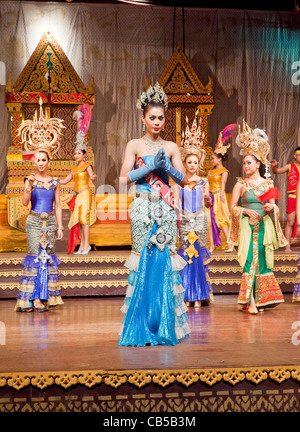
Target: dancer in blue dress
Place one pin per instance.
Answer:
(155, 313)
(193, 221)
(39, 285)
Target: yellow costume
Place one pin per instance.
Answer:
(83, 204)
(220, 208)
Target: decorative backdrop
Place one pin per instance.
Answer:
(249, 55)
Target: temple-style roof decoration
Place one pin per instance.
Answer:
(186, 96)
(49, 71)
(181, 83)
(48, 78)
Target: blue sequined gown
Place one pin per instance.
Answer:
(39, 278)
(193, 239)
(155, 313)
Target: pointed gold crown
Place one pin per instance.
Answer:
(220, 147)
(192, 141)
(42, 133)
(254, 142)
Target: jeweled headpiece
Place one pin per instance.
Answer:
(42, 133)
(83, 117)
(256, 143)
(224, 136)
(192, 141)
(154, 94)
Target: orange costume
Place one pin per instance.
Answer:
(220, 208)
(80, 205)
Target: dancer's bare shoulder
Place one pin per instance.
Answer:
(170, 147)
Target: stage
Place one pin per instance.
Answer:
(68, 359)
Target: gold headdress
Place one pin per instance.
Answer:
(224, 136)
(83, 117)
(192, 141)
(42, 133)
(154, 94)
(256, 143)
(220, 148)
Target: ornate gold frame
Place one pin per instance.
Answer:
(140, 378)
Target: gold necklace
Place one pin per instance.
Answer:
(254, 180)
(153, 146)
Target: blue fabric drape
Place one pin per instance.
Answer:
(150, 318)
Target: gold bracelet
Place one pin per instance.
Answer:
(60, 228)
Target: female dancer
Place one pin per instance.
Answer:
(253, 230)
(220, 215)
(79, 223)
(296, 290)
(39, 287)
(81, 204)
(293, 171)
(193, 222)
(155, 313)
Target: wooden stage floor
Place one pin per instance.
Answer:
(68, 360)
(83, 335)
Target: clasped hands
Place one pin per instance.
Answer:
(254, 215)
(161, 161)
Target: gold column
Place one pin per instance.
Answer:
(204, 112)
(178, 126)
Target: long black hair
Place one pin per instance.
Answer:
(224, 157)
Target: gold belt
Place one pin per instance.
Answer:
(43, 215)
(255, 221)
(190, 215)
(291, 195)
(81, 190)
(151, 196)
